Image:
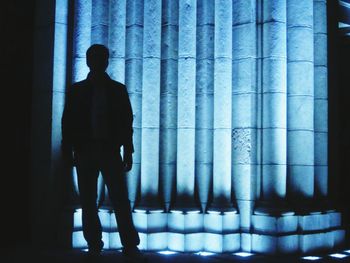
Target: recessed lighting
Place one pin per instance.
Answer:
(338, 255)
(311, 258)
(243, 254)
(167, 252)
(204, 253)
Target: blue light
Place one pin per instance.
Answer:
(311, 258)
(243, 254)
(140, 211)
(193, 212)
(156, 211)
(338, 255)
(167, 252)
(205, 253)
(213, 212)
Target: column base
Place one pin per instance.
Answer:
(274, 229)
(281, 231)
(320, 231)
(152, 227)
(221, 230)
(185, 230)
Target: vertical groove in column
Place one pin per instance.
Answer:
(244, 107)
(204, 99)
(222, 104)
(321, 99)
(168, 99)
(186, 103)
(117, 39)
(133, 80)
(150, 103)
(300, 137)
(274, 100)
(99, 22)
(81, 38)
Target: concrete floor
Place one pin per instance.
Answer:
(22, 255)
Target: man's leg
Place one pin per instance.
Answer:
(87, 171)
(115, 180)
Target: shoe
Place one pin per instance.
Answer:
(95, 251)
(133, 255)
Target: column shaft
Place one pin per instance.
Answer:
(300, 151)
(133, 80)
(274, 100)
(204, 99)
(99, 22)
(81, 38)
(186, 99)
(168, 99)
(150, 99)
(117, 39)
(321, 98)
(244, 107)
(222, 102)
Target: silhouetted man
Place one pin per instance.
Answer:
(97, 121)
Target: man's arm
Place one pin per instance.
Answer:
(66, 121)
(127, 142)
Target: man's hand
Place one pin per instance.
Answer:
(127, 161)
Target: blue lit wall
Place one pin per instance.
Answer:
(230, 119)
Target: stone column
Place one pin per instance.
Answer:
(221, 222)
(300, 119)
(168, 100)
(244, 112)
(81, 38)
(150, 104)
(274, 100)
(149, 210)
(274, 224)
(133, 81)
(99, 22)
(117, 40)
(185, 222)
(321, 99)
(186, 104)
(222, 105)
(204, 99)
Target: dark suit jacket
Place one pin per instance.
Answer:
(77, 121)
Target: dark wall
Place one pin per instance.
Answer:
(339, 111)
(17, 19)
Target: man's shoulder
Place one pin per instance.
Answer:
(117, 84)
(79, 84)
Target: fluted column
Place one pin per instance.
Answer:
(117, 39)
(150, 103)
(244, 111)
(168, 99)
(204, 99)
(222, 104)
(186, 103)
(99, 22)
(321, 99)
(274, 121)
(133, 81)
(300, 150)
(81, 38)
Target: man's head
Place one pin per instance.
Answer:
(97, 58)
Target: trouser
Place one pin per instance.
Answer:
(90, 159)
